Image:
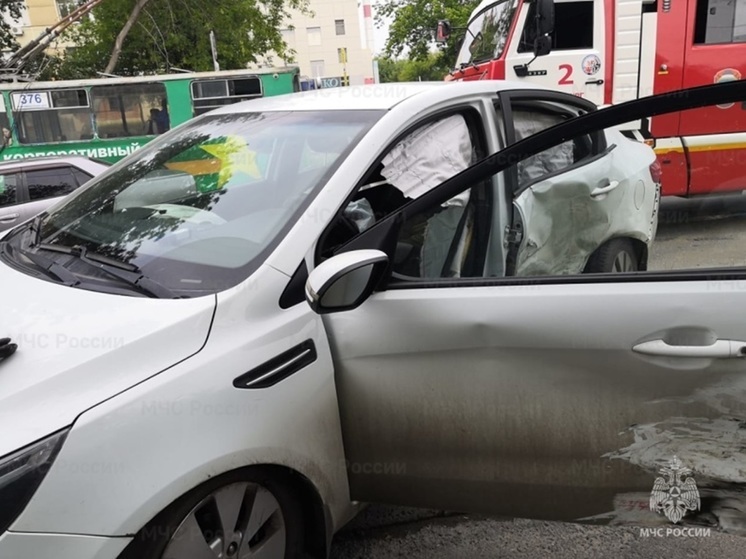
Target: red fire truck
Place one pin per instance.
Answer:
(610, 51)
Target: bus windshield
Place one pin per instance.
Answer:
(487, 33)
(198, 210)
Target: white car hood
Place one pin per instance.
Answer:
(77, 348)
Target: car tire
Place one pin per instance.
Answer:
(615, 256)
(246, 508)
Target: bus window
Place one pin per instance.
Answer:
(124, 111)
(211, 94)
(7, 138)
(46, 117)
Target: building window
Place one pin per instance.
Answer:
(314, 36)
(288, 35)
(317, 68)
(339, 25)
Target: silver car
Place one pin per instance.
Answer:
(30, 186)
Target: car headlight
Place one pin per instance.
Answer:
(21, 473)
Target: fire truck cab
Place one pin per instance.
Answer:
(611, 51)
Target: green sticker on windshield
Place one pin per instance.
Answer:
(2, 184)
(235, 158)
(215, 163)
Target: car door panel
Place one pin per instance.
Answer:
(478, 399)
(567, 215)
(541, 397)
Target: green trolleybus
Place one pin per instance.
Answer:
(109, 118)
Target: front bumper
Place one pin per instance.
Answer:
(16, 545)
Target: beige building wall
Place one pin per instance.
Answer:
(316, 40)
(37, 16)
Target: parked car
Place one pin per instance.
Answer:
(29, 186)
(420, 294)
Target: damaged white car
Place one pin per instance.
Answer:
(422, 294)
(589, 204)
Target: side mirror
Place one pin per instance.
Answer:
(542, 45)
(344, 281)
(443, 33)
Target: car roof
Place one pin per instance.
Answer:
(372, 96)
(45, 161)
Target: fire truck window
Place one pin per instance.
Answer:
(719, 22)
(573, 27)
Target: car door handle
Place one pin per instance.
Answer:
(604, 189)
(722, 349)
(9, 217)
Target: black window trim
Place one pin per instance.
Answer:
(383, 235)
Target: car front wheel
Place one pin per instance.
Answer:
(617, 255)
(237, 516)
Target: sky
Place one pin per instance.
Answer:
(379, 35)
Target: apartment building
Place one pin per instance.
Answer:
(37, 16)
(333, 43)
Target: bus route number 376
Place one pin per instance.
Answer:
(31, 100)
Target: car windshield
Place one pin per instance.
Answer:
(198, 210)
(487, 33)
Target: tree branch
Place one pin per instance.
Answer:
(119, 43)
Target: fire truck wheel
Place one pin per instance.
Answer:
(617, 255)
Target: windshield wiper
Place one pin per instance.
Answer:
(128, 273)
(35, 229)
(53, 269)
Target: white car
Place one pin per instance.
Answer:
(284, 308)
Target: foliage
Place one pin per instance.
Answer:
(432, 68)
(176, 34)
(414, 23)
(11, 9)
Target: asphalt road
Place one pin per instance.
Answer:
(691, 234)
(389, 533)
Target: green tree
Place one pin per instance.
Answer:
(432, 68)
(388, 69)
(10, 10)
(129, 37)
(414, 23)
